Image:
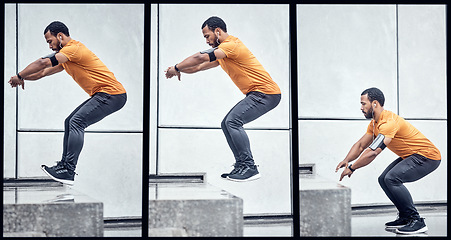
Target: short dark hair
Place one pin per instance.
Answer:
(57, 27)
(374, 94)
(215, 22)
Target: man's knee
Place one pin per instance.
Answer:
(223, 123)
(67, 121)
(390, 179)
(381, 180)
(76, 122)
(230, 122)
(227, 123)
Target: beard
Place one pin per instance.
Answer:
(369, 114)
(215, 42)
(58, 47)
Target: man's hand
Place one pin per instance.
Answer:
(343, 163)
(15, 81)
(346, 172)
(170, 72)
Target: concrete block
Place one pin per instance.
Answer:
(325, 207)
(167, 232)
(50, 212)
(24, 234)
(194, 210)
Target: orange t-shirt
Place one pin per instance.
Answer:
(406, 139)
(88, 71)
(244, 69)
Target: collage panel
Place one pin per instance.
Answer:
(371, 118)
(73, 128)
(224, 121)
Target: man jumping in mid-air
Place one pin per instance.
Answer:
(107, 94)
(262, 93)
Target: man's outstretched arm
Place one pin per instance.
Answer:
(200, 67)
(38, 69)
(367, 156)
(195, 63)
(355, 151)
(44, 73)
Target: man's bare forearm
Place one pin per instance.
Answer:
(34, 69)
(354, 153)
(35, 76)
(367, 157)
(190, 70)
(191, 63)
(44, 72)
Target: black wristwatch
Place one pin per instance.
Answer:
(176, 69)
(352, 170)
(20, 77)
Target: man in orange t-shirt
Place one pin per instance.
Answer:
(107, 94)
(262, 93)
(417, 158)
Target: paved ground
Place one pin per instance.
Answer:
(368, 223)
(372, 224)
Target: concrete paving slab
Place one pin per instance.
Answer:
(195, 209)
(50, 211)
(325, 207)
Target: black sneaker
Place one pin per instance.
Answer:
(59, 173)
(413, 227)
(67, 197)
(234, 170)
(399, 222)
(245, 173)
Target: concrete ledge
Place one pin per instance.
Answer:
(167, 232)
(178, 178)
(50, 212)
(325, 207)
(194, 210)
(24, 234)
